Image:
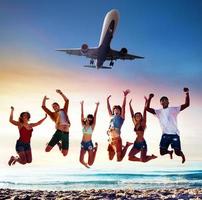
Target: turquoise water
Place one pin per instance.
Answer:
(63, 179)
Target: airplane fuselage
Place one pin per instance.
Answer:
(108, 29)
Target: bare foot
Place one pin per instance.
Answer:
(183, 159)
(12, 159)
(96, 146)
(153, 156)
(171, 154)
(85, 164)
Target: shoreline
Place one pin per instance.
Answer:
(180, 193)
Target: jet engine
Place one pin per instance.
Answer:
(84, 48)
(123, 51)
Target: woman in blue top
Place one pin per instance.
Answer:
(140, 144)
(88, 125)
(117, 115)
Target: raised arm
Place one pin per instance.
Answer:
(145, 111)
(11, 118)
(82, 113)
(131, 109)
(126, 92)
(66, 105)
(108, 106)
(95, 114)
(187, 100)
(39, 122)
(44, 106)
(151, 110)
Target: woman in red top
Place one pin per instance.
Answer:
(23, 147)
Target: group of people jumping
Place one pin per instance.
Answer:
(167, 118)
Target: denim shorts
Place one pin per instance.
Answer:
(21, 146)
(168, 139)
(87, 145)
(140, 145)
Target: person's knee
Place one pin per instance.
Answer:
(48, 149)
(64, 152)
(163, 151)
(29, 160)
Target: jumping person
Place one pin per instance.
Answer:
(168, 120)
(23, 147)
(62, 124)
(117, 115)
(139, 143)
(88, 125)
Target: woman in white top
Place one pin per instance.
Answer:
(88, 125)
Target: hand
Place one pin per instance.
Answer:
(46, 98)
(59, 91)
(126, 92)
(151, 96)
(12, 108)
(130, 102)
(186, 89)
(97, 103)
(109, 97)
(82, 102)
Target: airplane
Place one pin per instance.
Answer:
(103, 52)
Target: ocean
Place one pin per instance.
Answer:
(63, 179)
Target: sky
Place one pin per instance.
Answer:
(168, 34)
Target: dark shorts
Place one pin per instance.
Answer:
(140, 145)
(21, 146)
(60, 136)
(87, 145)
(168, 139)
(115, 144)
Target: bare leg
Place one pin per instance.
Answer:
(165, 151)
(48, 148)
(92, 154)
(145, 158)
(28, 156)
(111, 152)
(180, 153)
(81, 159)
(123, 153)
(132, 153)
(21, 158)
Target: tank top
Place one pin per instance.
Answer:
(25, 135)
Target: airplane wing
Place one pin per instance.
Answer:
(89, 53)
(114, 55)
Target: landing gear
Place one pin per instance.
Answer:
(111, 63)
(91, 62)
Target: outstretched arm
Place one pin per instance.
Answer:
(131, 111)
(66, 105)
(39, 122)
(187, 100)
(95, 114)
(44, 106)
(151, 110)
(11, 118)
(126, 92)
(108, 106)
(82, 113)
(145, 111)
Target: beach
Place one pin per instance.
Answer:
(171, 194)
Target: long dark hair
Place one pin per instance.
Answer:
(21, 116)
